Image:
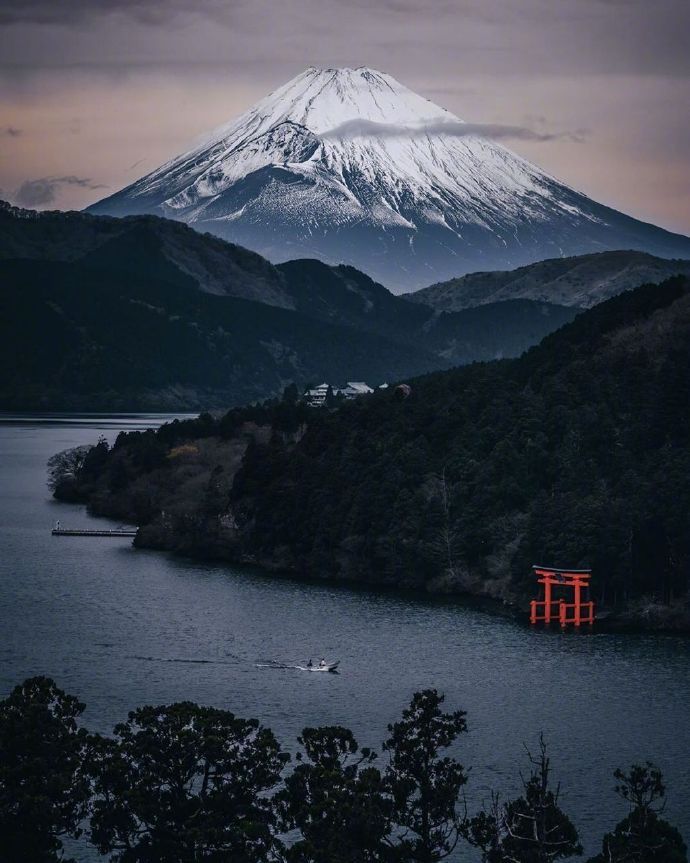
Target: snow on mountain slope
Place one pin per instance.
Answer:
(348, 165)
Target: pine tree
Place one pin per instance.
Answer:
(44, 788)
(337, 800)
(642, 836)
(184, 784)
(530, 829)
(424, 784)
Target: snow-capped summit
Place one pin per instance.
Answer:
(322, 99)
(348, 165)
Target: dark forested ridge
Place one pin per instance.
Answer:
(216, 266)
(145, 313)
(577, 454)
(74, 336)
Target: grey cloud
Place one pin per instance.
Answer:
(35, 193)
(71, 11)
(496, 131)
(10, 132)
(160, 11)
(461, 37)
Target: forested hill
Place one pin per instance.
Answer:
(576, 454)
(143, 313)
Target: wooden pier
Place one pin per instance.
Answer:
(124, 531)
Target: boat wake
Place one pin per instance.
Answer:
(278, 665)
(183, 660)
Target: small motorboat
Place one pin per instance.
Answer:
(321, 666)
(308, 666)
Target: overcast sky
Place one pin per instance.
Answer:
(95, 93)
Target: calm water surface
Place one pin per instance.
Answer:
(121, 628)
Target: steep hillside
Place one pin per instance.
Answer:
(576, 454)
(216, 266)
(581, 281)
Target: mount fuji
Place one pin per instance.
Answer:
(350, 166)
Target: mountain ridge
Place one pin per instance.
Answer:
(581, 281)
(228, 269)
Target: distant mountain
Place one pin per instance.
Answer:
(345, 295)
(349, 166)
(145, 313)
(582, 281)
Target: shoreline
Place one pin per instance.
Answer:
(624, 620)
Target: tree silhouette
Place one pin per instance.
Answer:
(185, 783)
(425, 785)
(530, 829)
(44, 788)
(337, 800)
(190, 784)
(642, 836)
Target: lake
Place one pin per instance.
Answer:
(121, 628)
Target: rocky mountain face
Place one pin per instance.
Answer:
(350, 166)
(582, 281)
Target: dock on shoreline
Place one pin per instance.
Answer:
(62, 531)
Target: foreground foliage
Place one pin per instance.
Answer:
(642, 836)
(337, 799)
(44, 782)
(425, 786)
(184, 784)
(530, 829)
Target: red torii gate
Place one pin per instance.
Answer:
(576, 612)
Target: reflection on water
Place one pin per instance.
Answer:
(120, 628)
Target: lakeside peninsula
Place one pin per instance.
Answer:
(576, 452)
